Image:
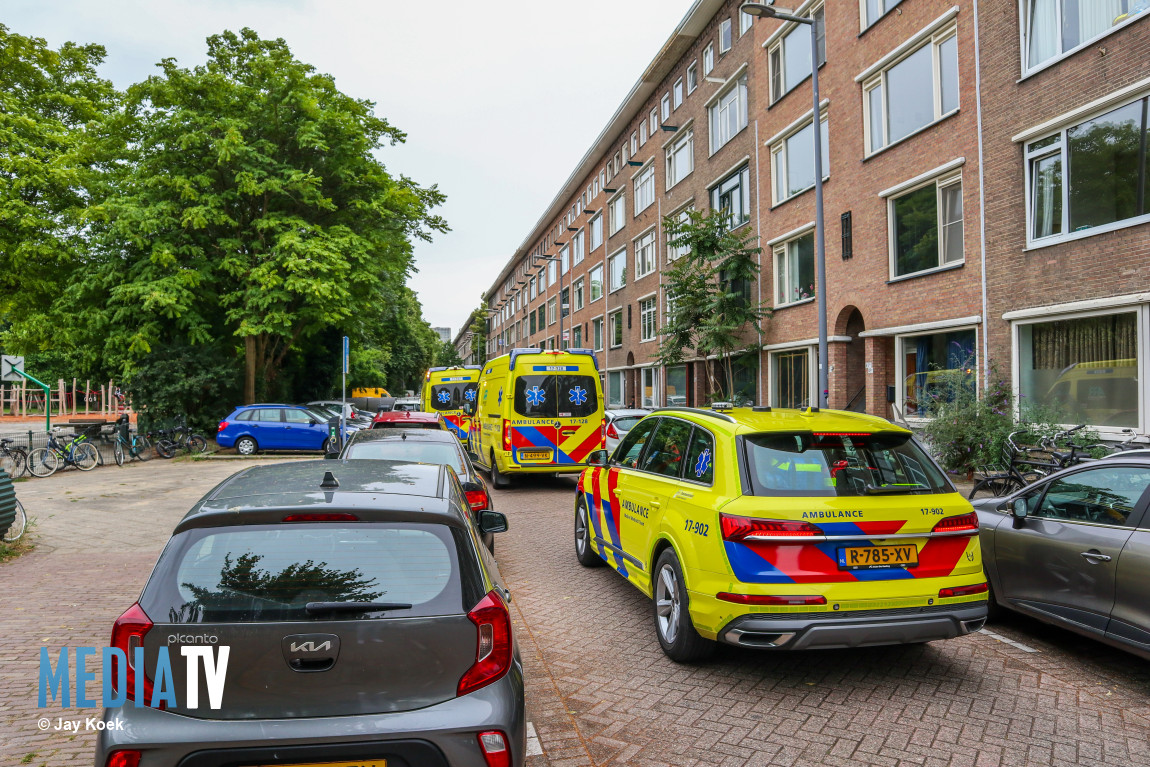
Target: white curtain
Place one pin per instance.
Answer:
(1042, 39)
(1097, 16)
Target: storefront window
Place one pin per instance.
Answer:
(1085, 368)
(790, 382)
(615, 388)
(744, 393)
(926, 357)
(677, 386)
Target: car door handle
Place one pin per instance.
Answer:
(1095, 557)
(656, 504)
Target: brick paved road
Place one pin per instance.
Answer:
(599, 689)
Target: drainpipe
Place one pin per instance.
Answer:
(981, 203)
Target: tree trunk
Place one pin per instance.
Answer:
(250, 370)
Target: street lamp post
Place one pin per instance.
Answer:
(770, 12)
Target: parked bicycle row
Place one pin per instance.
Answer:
(1024, 464)
(42, 454)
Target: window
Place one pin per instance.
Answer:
(675, 251)
(791, 378)
(634, 142)
(550, 396)
(645, 189)
(874, 9)
(692, 77)
(565, 302)
(532, 319)
(642, 133)
(1104, 496)
(597, 333)
(666, 454)
(617, 265)
(793, 161)
(648, 318)
(790, 57)
(653, 120)
(617, 210)
(551, 308)
(615, 396)
(542, 317)
(677, 93)
(645, 255)
(665, 106)
(699, 468)
(564, 260)
(795, 270)
(708, 58)
(680, 158)
(578, 249)
(577, 337)
(595, 276)
(578, 287)
(746, 20)
(531, 288)
(1090, 175)
(733, 194)
(926, 227)
(728, 115)
(724, 36)
(924, 357)
(596, 232)
(1085, 367)
(1054, 27)
(616, 328)
(677, 385)
(910, 95)
(626, 154)
(551, 268)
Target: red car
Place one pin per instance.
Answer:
(406, 419)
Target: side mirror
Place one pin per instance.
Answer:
(1019, 509)
(598, 458)
(474, 456)
(471, 487)
(313, 422)
(492, 522)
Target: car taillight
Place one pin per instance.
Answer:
(223, 425)
(328, 517)
(123, 759)
(761, 599)
(612, 432)
(506, 437)
(962, 523)
(493, 649)
(477, 499)
(748, 529)
(493, 743)
(127, 635)
(962, 591)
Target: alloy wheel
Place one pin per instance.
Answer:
(668, 603)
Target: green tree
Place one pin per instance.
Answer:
(447, 355)
(252, 206)
(479, 335)
(708, 287)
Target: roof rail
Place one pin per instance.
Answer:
(515, 353)
(440, 368)
(696, 411)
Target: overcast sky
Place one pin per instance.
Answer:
(499, 99)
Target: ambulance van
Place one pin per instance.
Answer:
(446, 390)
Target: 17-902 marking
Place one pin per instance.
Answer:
(698, 528)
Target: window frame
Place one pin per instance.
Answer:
(642, 132)
(615, 318)
(777, 53)
(1024, 39)
(773, 355)
(746, 21)
(644, 240)
(621, 253)
(591, 283)
(665, 108)
(726, 28)
(685, 135)
(780, 157)
(692, 77)
(878, 80)
(867, 23)
(617, 216)
(644, 188)
(709, 59)
(649, 315)
(597, 333)
(900, 371)
(552, 311)
(940, 182)
(780, 252)
(596, 223)
(578, 247)
(577, 295)
(742, 170)
(674, 254)
(677, 94)
(717, 105)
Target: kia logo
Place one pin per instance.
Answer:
(310, 646)
(310, 652)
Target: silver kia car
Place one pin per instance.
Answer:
(365, 625)
(1074, 550)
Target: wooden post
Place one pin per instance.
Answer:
(87, 394)
(74, 396)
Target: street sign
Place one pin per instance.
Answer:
(566, 335)
(346, 354)
(9, 366)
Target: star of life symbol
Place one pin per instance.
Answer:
(535, 396)
(578, 395)
(444, 396)
(469, 395)
(703, 463)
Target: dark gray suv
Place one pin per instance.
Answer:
(365, 624)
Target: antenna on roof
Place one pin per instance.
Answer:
(329, 481)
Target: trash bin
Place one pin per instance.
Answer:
(7, 503)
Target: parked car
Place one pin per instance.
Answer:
(360, 625)
(406, 403)
(438, 447)
(406, 419)
(252, 428)
(619, 422)
(1073, 550)
(354, 415)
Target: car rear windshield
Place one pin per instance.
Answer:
(411, 450)
(556, 396)
(262, 573)
(451, 396)
(626, 422)
(807, 464)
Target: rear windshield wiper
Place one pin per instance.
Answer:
(909, 487)
(315, 608)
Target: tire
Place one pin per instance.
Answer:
(16, 531)
(673, 627)
(329, 445)
(43, 462)
(994, 487)
(197, 444)
(118, 452)
(86, 456)
(583, 548)
(994, 610)
(246, 446)
(499, 480)
(164, 449)
(14, 462)
(141, 449)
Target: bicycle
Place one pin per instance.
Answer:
(138, 448)
(19, 525)
(163, 442)
(187, 440)
(1019, 470)
(13, 460)
(78, 452)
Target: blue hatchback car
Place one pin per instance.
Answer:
(251, 428)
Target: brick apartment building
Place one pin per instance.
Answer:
(722, 118)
